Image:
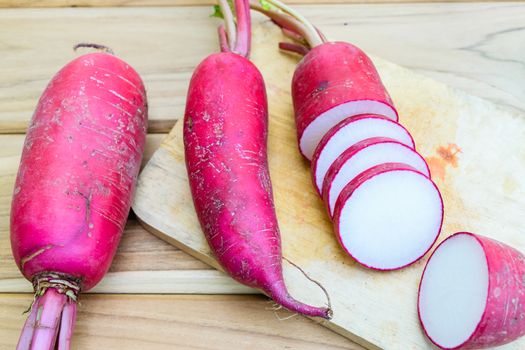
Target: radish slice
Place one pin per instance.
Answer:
(388, 216)
(472, 293)
(349, 132)
(315, 131)
(362, 156)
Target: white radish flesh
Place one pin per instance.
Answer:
(453, 291)
(388, 216)
(365, 155)
(349, 132)
(315, 131)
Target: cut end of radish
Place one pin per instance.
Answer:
(348, 133)
(453, 291)
(388, 218)
(314, 132)
(363, 156)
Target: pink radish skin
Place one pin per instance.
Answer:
(76, 178)
(500, 291)
(225, 144)
(333, 81)
(349, 132)
(363, 155)
(225, 136)
(383, 229)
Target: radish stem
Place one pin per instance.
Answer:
(285, 21)
(243, 28)
(292, 34)
(295, 48)
(229, 23)
(315, 38)
(223, 39)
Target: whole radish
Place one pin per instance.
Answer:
(472, 293)
(225, 136)
(72, 195)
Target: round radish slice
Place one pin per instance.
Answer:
(333, 81)
(472, 293)
(362, 156)
(349, 132)
(388, 216)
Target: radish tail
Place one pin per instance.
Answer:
(280, 295)
(67, 324)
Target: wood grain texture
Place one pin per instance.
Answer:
(477, 158)
(143, 263)
(475, 47)
(149, 3)
(178, 322)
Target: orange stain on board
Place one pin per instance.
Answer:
(446, 156)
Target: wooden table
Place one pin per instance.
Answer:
(157, 297)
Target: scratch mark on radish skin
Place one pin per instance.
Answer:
(31, 256)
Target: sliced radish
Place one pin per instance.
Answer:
(319, 126)
(362, 156)
(349, 132)
(472, 293)
(388, 216)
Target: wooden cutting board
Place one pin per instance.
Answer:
(477, 157)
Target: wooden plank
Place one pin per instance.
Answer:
(131, 3)
(143, 263)
(481, 188)
(469, 46)
(178, 322)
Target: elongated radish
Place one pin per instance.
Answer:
(472, 293)
(225, 135)
(362, 156)
(73, 192)
(349, 132)
(333, 81)
(388, 216)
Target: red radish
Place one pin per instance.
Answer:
(362, 156)
(349, 132)
(333, 81)
(73, 192)
(225, 135)
(472, 293)
(388, 216)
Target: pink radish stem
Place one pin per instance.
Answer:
(223, 39)
(229, 23)
(285, 21)
(291, 34)
(67, 325)
(29, 328)
(47, 323)
(296, 48)
(242, 45)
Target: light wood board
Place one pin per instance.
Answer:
(476, 153)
